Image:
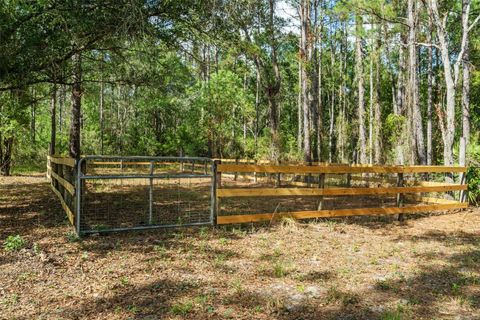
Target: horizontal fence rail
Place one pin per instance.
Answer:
(336, 169)
(60, 173)
(313, 187)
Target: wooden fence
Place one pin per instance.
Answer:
(402, 189)
(60, 173)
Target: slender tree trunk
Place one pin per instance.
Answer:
(33, 123)
(466, 76)
(417, 136)
(429, 92)
(360, 90)
(101, 106)
(314, 77)
(61, 106)
(274, 88)
(299, 101)
(257, 107)
(320, 84)
(305, 57)
(75, 129)
(377, 142)
(370, 118)
(449, 118)
(53, 117)
(332, 107)
(6, 163)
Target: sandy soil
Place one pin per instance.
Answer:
(357, 268)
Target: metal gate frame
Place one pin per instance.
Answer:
(81, 176)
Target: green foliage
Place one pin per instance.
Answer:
(181, 309)
(473, 180)
(14, 243)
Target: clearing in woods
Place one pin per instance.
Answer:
(348, 268)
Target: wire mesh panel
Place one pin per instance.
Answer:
(122, 193)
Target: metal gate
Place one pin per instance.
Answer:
(116, 193)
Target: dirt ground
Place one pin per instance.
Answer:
(427, 267)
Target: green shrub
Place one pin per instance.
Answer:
(181, 308)
(473, 180)
(14, 243)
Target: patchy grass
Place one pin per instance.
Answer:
(354, 268)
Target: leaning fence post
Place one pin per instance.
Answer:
(400, 196)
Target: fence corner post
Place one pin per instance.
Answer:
(78, 191)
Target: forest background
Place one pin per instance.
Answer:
(370, 82)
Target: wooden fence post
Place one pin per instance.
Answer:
(236, 173)
(216, 183)
(255, 174)
(462, 162)
(400, 196)
(278, 182)
(321, 185)
(218, 174)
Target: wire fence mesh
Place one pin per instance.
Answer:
(121, 193)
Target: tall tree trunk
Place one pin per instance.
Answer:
(299, 101)
(319, 127)
(61, 106)
(377, 142)
(360, 90)
(447, 121)
(257, 107)
(305, 88)
(418, 144)
(101, 106)
(75, 130)
(53, 119)
(370, 116)
(6, 162)
(33, 122)
(466, 75)
(274, 88)
(429, 92)
(332, 107)
(314, 76)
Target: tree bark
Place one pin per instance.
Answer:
(6, 162)
(75, 130)
(273, 88)
(101, 106)
(319, 127)
(429, 92)
(466, 76)
(299, 103)
(53, 119)
(418, 144)
(360, 90)
(305, 88)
